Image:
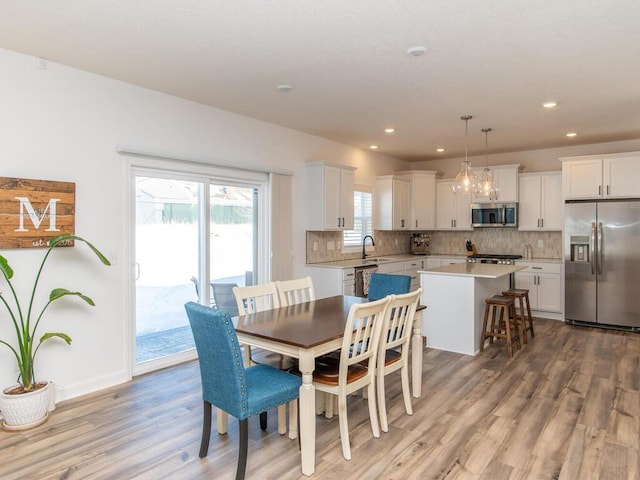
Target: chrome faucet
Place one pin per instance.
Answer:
(364, 239)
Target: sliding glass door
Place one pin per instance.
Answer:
(195, 238)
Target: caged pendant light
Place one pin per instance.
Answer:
(487, 185)
(465, 180)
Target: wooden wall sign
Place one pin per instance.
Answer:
(33, 211)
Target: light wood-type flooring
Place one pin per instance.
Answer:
(567, 407)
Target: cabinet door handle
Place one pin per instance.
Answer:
(608, 190)
(542, 222)
(599, 190)
(416, 223)
(536, 268)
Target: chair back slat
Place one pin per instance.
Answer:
(221, 367)
(256, 298)
(398, 323)
(293, 292)
(362, 334)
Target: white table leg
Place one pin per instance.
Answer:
(223, 421)
(416, 356)
(307, 414)
(293, 420)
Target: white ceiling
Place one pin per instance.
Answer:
(347, 62)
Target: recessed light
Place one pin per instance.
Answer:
(440, 150)
(550, 104)
(572, 134)
(417, 51)
(284, 88)
(373, 147)
(389, 130)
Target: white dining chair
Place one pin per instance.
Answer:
(253, 299)
(292, 292)
(256, 298)
(359, 344)
(393, 354)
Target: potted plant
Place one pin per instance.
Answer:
(27, 404)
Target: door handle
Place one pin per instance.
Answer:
(593, 248)
(136, 274)
(599, 264)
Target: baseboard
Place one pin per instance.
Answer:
(67, 392)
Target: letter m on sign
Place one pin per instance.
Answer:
(33, 211)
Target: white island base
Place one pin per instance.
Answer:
(455, 298)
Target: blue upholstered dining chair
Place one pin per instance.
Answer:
(227, 384)
(383, 284)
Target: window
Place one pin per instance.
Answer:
(362, 212)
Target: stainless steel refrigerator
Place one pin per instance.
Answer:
(602, 263)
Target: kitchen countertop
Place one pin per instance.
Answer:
(358, 262)
(479, 270)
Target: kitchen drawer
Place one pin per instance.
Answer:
(391, 267)
(348, 274)
(541, 267)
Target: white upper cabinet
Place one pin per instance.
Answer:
(603, 176)
(391, 198)
(507, 177)
(621, 176)
(453, 210)
(329, 196)
(541, 205)
(422, 205)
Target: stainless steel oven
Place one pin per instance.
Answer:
(494, 215)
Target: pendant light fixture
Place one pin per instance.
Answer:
(487, 186)
(465, 180)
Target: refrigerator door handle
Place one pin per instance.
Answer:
(599, 248)
(593, 248)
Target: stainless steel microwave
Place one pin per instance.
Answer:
(494, 214)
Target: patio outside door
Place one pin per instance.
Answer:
(180, 257)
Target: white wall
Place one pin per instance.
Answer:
(530, 160)
(65, 124)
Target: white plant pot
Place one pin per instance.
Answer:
(26, 410)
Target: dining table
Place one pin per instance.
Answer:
(306, 331)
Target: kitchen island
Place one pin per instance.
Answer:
(454, 296)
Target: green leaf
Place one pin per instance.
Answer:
(57, 293)
(66, 236)
(5, 268)
(49, 335)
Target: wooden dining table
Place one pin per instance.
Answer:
(306, 331)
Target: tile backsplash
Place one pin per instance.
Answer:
(487, 240)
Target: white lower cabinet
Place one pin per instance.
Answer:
(411, 268)
(348, 281)
(544, 282)
(328, 282)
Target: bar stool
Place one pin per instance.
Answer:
(526, 321)
(505, 326)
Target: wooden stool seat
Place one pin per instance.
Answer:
(504, 325)
(525, 319)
